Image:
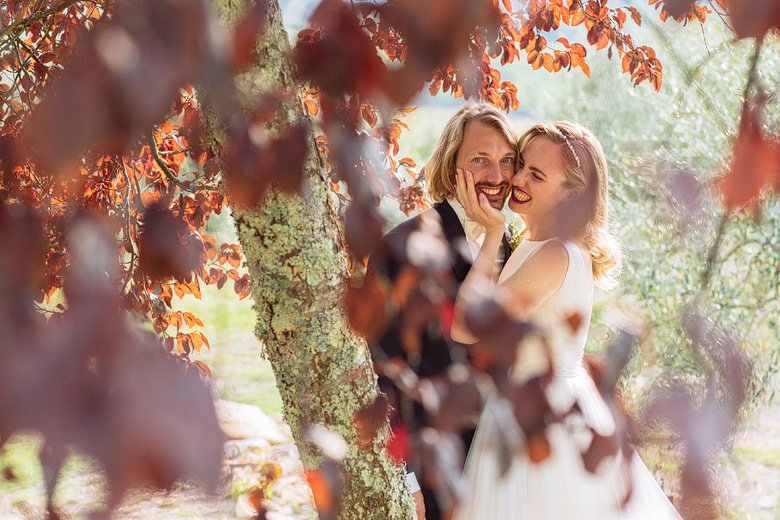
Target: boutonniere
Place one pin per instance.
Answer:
(515, 234)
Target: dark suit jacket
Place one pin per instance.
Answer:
(437, 353)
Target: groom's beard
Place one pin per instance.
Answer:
(498, 199)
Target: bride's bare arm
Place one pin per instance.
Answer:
(536, 279)
(478, 209)
(481, 273)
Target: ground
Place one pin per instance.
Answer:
(749, 476)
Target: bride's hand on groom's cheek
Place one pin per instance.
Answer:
(476, 205)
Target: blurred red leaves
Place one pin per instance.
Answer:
(336, 55)
(167, 246)
(76, 380)
(752, 18)
(363, 227)
(703, 420)
(105, 84)
(23, 246)
(755, 164)
(452, 399)
(256, 160)
(246, 34)
(365, 307)
(370, 419)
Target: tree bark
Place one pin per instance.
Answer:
(295, 254)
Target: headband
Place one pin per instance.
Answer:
(568, 143)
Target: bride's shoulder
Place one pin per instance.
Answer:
(552, 254)
(548, 260)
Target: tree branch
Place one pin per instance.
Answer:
(23, 23)
(164, 167)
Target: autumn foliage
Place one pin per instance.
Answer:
(102, 128)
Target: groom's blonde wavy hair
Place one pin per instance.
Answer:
(439, 171)
(585, 167)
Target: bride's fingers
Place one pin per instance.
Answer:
(463, 193)
(471, 191)
(459, 190)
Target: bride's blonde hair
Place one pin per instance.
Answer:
(585, 166)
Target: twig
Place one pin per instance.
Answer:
(164, 167)
(26, 22)
(712, 254)
(166, 153)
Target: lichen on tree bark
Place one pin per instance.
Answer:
(294, 250)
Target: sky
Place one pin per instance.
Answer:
(296, 12)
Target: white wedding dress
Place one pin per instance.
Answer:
(558, 488)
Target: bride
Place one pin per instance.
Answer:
(561, 192)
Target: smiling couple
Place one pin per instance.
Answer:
(554, 177)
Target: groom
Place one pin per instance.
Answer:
(478, 138)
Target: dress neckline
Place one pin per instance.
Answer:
(527, 240)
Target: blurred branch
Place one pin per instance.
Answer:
(712, 254)
(166, 153)
(720, 15)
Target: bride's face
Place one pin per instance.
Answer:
(538, 186)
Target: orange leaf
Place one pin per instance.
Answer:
(311, 107)
(197, 341)
(548, 62)
(321, 490)
(538, 447)
(626, 63)
(205, 340)
(191, 320)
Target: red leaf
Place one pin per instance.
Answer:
(247, 33)
(203, 369)
(251, 164)
(242, 287)
(754, 18)
(365, 307)
(167, 247)
(370, 419)
(755, 164)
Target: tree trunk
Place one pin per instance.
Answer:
(294, 251)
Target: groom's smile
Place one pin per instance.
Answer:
(496, 194)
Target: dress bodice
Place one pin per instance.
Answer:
(570, 305)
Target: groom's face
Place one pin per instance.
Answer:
(487, 154)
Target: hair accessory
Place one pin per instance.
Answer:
(576, 157)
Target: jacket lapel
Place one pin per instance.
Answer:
(460, 255)
(456, 237)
